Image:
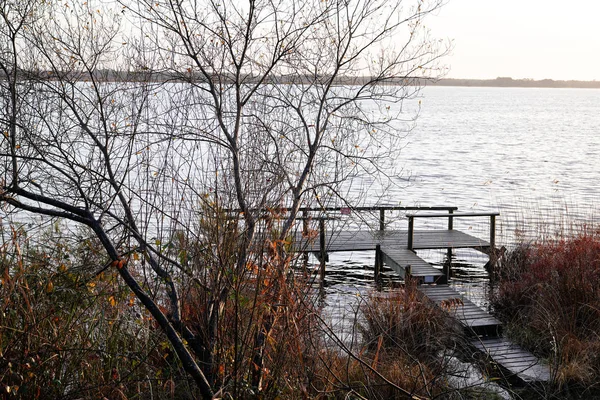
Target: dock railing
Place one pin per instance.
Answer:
(325, 212)
(321, 214)
(451, 215)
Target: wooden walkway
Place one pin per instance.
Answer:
(513, 361)
(397, 249)
(407, 263)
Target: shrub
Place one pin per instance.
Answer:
(71, 335)
(68, 330)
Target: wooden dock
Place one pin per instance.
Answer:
(393, 246)
(398, 250)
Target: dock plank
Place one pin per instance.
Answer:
(442, 239)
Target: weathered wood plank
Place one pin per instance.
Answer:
(442, 239)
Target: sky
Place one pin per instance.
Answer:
(522, 39)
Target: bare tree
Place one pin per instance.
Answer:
(143, 120)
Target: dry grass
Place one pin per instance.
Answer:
(406, 341)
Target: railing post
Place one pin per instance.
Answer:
(411, 228)
(322, 255)
(450, 220)
(305, 235)
(493, 255)
(381, 218)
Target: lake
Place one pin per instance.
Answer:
(529, 153)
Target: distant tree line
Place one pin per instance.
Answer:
(510, 82)
(107, 75)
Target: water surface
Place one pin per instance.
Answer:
(529, 153)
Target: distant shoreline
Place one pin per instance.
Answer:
(510, 82)
(147, 76)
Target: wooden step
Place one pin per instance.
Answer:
(406, 262)
(514, 359)
(475, 320)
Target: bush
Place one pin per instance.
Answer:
(72, 335)
(68, 330)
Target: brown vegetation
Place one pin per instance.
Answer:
(66, 334)
(548, 293)
(69, 333)
(147, 172)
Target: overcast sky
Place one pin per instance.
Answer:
(535, 39)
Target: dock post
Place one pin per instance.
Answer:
(381, 219)
(305, 223)
(322, 255)
(493, 231)
(411, 228)
(493, 256)
(446, 268)
(378, 262)
(443, 280)
(305, 234)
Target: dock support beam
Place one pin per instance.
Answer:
(305, 222)
(493, 231)
(443, 280)
(378, 254)
(494, 253)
